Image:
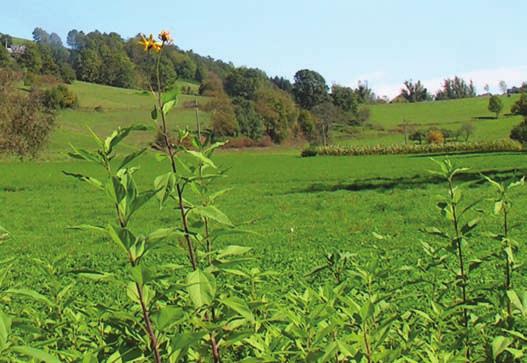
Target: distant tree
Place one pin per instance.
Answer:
(243, 82)
(278, 110)
(486, 88)
(55, 40)
(283, 83)
(503, 87)
(310, 89)
(5, 40)
(201, 73)
(456, 88)
(362, 115)
(76, 39)
(250, 123)
(223, 118)
(415, 92)
(345, 98)
(418, 136)
(466, 130)
(495, 105)
(364, 93)
(520, 106)
(519, 132)
(327, 114)
(212, 86)
(31, 59)
(40, 36)
(308, 125)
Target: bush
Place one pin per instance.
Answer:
(488, 146)
(309, 152)
(435, 137)
(519, 132)
(520, 106)
(25, 124)
(59, 97)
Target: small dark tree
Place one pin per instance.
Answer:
(415, 92)
(327, 114)
(418, 136)
(519, 132)
(495, 105)
(466, 130)
(520, 106)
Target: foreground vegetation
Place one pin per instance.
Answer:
(135, 258)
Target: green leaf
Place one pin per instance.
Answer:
(181, 342)
(168, 106)
(213, 213)
(116, 238)
(205, 160)
(233, 251)
(5, 328)
(37, 354)
(164, 185)
(130, 157)
(82, 154)
(519, 301)
(499, 344)
(153, 113)
(119, 135)
(239, 306)
(87, 179)
(31, 294)
(167, 316)
(201, 287)
(469, 226)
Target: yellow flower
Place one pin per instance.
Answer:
(165, 36)
(149, 43)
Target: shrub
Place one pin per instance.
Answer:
(520, 106)
(309, 152)
(99, 108)
(418, 136)
(435, 137)
(59, 97)
(519, 132)
(24, 123)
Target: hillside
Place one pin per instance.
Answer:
(104, 108)
(387, 119)
(121, 107)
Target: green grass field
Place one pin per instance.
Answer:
(118, 107)
(299, 208)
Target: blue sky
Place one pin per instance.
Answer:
(382, 41)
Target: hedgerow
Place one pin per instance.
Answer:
(355, 150)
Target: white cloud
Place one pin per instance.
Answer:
(513, 76)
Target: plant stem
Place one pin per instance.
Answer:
(171, 154)
(148, 324)
(461, 264)
(508, 263)
(146, 315)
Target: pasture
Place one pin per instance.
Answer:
(298, 211)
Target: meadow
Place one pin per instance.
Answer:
(298, 210)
